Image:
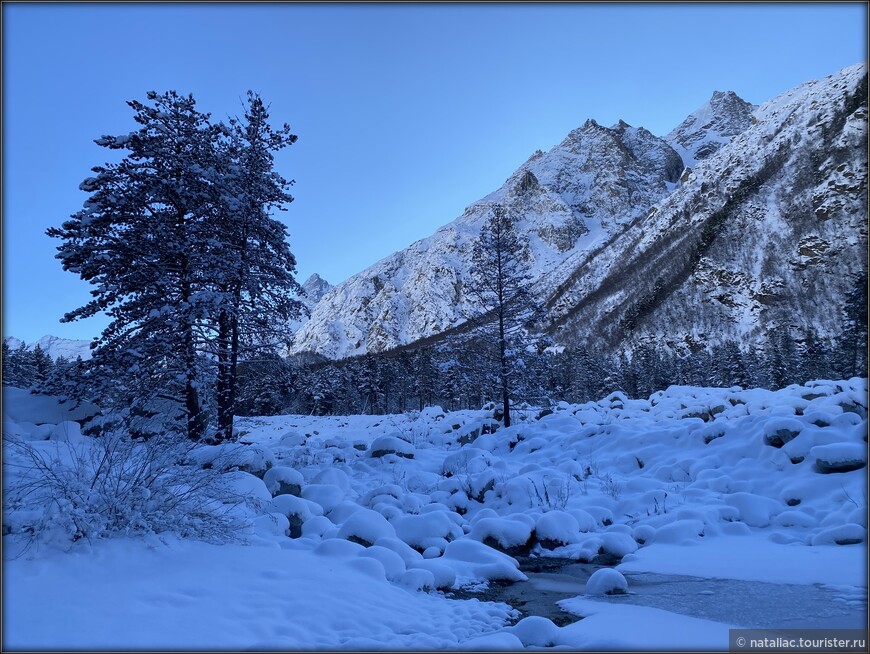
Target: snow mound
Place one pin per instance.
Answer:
(474, 561)
(606, 581)
(281, 480)
(366, 527)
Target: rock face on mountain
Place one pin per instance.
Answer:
(315, 288)
(706, 130)
(740, 219)
(768, 232)
(568, 200)
(54, 346)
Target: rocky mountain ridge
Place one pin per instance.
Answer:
(603, 195)
(740, 219)
(769, 232)
(567, 201)
(54, 346)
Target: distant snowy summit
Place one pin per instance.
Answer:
(315, 287)
(742, 219)
(54, 346)
(706, 130)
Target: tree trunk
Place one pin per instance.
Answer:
(195, 415)
(232, 382)
(224, 381)
(505, 394)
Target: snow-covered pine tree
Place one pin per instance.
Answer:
(142, 241)
(499, 281)
(254, 266)
(19, 368)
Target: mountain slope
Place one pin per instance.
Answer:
(568, 200)
(766, 228)
(710, 127)
(770, 231)
(54, 346)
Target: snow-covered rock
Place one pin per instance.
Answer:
(391, 445)
(840, 457)
(606, 581)
(281, 480)
(366, 527)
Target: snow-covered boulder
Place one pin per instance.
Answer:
(755, 510)
(839, 457)
(779, 431)
(243, 485)
(606, 581)
(326, 495)
(848, 534)
(679, 531)
(255, 459)
(334, 476)
(281, 480)
(407, 553)
(616, 545)
(272, 524)
(252, 459)
(394, 566)
(366, 527)
(315, 527)
(474, 561)
(512, 535)
(338, 548)
(442, 574)
(291, 439)
(417, 579)
(556, 528)
(384, 445)
(427, 530)
(585, 521)
(535, 631)
(469, 460)
(643, 534)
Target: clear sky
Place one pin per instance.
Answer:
(406, 114)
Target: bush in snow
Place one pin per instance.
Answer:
(94, 487)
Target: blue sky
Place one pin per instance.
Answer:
(405, 114)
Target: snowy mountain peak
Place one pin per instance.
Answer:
(54, 346)
(567, 201)
(711, 126)
(315, 287)
(768, 232)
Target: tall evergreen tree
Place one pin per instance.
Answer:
(255, 267)
(177, 242)
(499, 280)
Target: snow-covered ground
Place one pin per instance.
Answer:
(357, 529)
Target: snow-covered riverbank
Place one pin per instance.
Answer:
(357, 528)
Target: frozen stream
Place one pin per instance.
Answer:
(749, 604)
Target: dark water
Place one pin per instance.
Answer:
(749, 604)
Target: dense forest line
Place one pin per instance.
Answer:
(462, 374)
